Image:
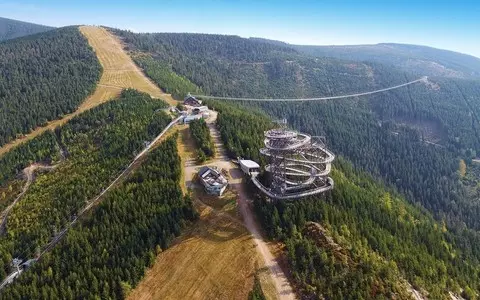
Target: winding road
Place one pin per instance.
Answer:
(422, 79)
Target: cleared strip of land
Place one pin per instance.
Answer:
(119, 72)
(217, 257)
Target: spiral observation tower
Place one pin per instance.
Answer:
(298, 165)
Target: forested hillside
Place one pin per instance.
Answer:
(107, 254)
(98, 145)
(11, 29)
(411, 58)
(43, 77)
(412, 138)
(230, 65)
(372, 242)
(162, 74)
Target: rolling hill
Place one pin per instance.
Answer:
(410, 58)
(11, 29)
(411, 139)
(386, 134)
(403, 214)
(372, 241)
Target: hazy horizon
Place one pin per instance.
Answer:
(436, 24)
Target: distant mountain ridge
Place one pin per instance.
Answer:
(11, 29)
(411, 58)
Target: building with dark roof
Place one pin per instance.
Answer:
(192, 101)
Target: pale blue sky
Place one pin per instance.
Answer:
(452, 25)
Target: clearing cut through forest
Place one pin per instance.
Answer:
(119, 72)
(217, 257)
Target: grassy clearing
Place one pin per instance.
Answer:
(215, 259)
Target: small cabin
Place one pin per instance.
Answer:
(249, 167)
(192, 101)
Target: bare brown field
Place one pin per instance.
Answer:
(119, 72)
(215, 258)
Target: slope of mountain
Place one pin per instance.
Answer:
(43, 77)
(11, 29)
(96, 146)
(411, 138)
(371, 241)
(108, 253)
(232, 66)
(384, 134)
(410, 58)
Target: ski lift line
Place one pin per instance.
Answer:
(422, 79)
(61, 234)
(54, 239)
(95, 200)
(74, 212)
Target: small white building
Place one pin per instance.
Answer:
(249, 167)
(200, 109)
(212, 180)
(191, 118)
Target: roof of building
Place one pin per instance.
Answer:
(249, 163)
(200, 108)
(211, 176)
(190, 100)
(188, 96)
(203, 170)
(192, 117)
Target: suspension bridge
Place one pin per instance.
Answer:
(423, 79)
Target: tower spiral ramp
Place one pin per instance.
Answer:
(298, 164)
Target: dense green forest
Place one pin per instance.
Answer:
(229, 65)
(11, 29)
(412, 58)
(398, 154)
(43, 77)
(166, 79)
(107, 254)
(201, 135)
(44, 148)
(241, 130)
(380, 241)
(411, 138)
(100, 143)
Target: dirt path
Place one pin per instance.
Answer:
(216, 257)
(119, 72)
(28, 173)
(282, 285)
